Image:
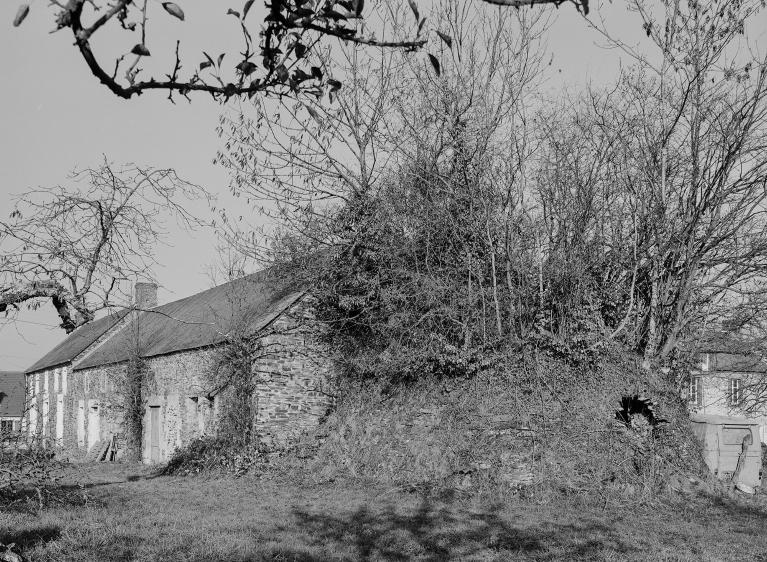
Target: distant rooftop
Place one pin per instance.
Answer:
(12, 394)
(731, 352)
(722, 341)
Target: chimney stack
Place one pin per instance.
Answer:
(146, 295)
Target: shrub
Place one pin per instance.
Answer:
(30, 472)
(214, 454)
(532, 425)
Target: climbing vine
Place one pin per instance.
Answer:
(133, 406)
(234, 381)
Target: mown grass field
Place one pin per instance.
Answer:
(131, 515)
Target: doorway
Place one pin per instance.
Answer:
(94, 423)
(60, 419)
(154, 434)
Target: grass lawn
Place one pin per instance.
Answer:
(133, 516)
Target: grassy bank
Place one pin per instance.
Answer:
(536, 422)
(131, 515)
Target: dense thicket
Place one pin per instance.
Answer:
(452, 217)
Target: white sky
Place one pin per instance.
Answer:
(55, 116)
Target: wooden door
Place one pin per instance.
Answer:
(94, 423)
(59, 419)
(81, 424)
(154, 434)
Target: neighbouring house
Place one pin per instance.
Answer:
(730, 380)
(179, 347)
(12, 400)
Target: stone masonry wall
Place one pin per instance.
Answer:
(95, 399)
(175, 383)
(178, 384)
(294, 391)
(59, 427)
(47, 411)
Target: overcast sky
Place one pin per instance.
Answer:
(56, 116)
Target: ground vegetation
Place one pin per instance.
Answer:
(134, 515)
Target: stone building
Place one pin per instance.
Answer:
(729, 381)
(179, 348)
(50, 411)
(12, 399)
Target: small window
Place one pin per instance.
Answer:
(695, 392)
(6, 427)
(735, 395)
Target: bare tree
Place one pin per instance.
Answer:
(413, 174)
(642, 213)
(74, 245)
(279, 61)
(296, 160)
(704, 161)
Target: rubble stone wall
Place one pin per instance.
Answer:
(295, 389)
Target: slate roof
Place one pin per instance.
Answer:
(247, 304)
(12, 394)
(77, 342)
(731, 352)
(736, 363)
(724, 342)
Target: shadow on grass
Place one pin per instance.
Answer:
(439, 533)
(733, 505)
(26, 500)
(31, 537)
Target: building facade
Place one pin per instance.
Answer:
(80, 404)
(730, 384)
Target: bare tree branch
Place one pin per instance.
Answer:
(74, 245)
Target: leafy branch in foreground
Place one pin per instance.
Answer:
(277, 61)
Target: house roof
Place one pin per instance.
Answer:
(737, 363)
(77, 342)
(721, 341)
(731, 352)
(12, 394)
(245, 305)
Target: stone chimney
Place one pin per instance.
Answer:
(146, 295)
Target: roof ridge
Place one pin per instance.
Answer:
(201, 320)
(209, 289)
(69, 348)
